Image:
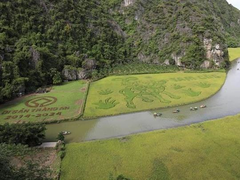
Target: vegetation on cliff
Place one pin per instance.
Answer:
(39, 38)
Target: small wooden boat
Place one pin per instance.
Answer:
(177, 111)
(195, 108)
(203, 106)
(157, 114)
(66, 132)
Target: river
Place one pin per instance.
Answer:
(224, 103)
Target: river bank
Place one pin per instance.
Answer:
(206, 150)
(224, 103)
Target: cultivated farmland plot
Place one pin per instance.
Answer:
(63, 102)
(123, 94)
(234, 53)
(200, 151)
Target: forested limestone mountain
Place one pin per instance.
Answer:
(41, 41)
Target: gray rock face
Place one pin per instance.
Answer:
(155, 61)
(89, 64)
(143, 58)
(35, 56)
(128, 2)
(72, 74)
(206, 64)
(148, 58)
(213, 52)
(177, 59)
(69, 74)
(82, 74)
(118, 29)
(208, 46)
(166, 62)
(217, 54)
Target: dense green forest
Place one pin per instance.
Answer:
(41, 38)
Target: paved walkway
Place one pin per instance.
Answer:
(48, 145)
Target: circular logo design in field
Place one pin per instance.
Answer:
(40, 101)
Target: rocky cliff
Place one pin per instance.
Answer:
(186, 33)
(43, 41)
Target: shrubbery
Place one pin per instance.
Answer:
(29, 169)
(26, 134)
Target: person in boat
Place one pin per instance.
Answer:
(157, 114)
(66, 132)
(191, 109)
(177, 111)
(203, 106)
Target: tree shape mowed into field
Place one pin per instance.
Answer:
(63, 102)
(123, 94)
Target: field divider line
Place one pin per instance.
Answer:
(86, 97)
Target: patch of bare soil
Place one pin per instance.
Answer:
(79, 102)
(46, 157)
(83, 89)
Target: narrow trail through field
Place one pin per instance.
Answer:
(224, 103)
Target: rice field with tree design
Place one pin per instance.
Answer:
(62, 102)
(124, 94)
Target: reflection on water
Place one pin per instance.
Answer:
(226, 102)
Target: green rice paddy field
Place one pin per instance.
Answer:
(234, 53)
(112, 95)
(124, 94)
(207, 150)
(63, 102)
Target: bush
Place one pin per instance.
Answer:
(29, 169)
(121, 177)
(26, 134)
(60, 136)
(62, 154)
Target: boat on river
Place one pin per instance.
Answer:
(157, 114)
(176, 111)
(203, 106)
(97, 129)
(66, 132)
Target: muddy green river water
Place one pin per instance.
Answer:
(224, 103)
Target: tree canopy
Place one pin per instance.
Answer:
(26, 133)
